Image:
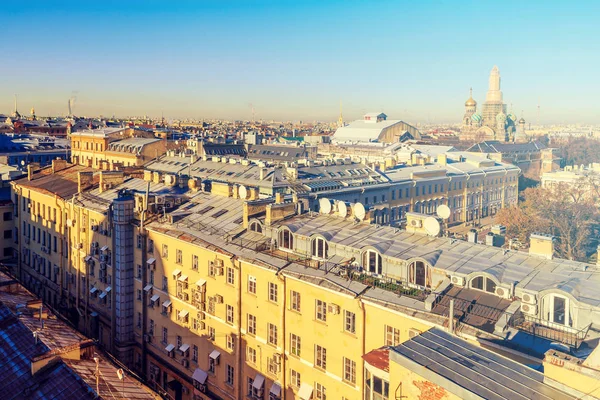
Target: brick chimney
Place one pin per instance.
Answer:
(541, 245)
(110, 179)
(58, 165)
(85, 180)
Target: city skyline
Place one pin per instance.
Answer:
(293, 61)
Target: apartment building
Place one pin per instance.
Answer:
(210, 294)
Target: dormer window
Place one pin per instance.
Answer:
(483, 283)
(320, 248)
(372, 262)
(256, 227)
(286, 239)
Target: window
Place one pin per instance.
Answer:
(139, 294)
(230, 342)
(376, 388)
(349, 370)
(295, 300)
(195, 262)
(251, 324)
(320, 357)
(250, 387)
(165, 283)
(139, 320)
(7, 216)
(211, 365)
(483, 283)
(151, 246)
(179, 341)
(295, 344)
(230, 276)
(165, 251)
(558, 310)
(321, 310)
(151, 328)
(256, 227)
(251, 355)
(373, 262)
(212, 334)
(392, 336)
(319, 248)
(272, 330)
(230, 375)
(8, 234)
(320, 392)
(286, 239)
(295, 378)
(195, 353)
(418, 273)
(349, 321)
(179, 257)
(251, 284)
(139, 241)
(229, 314)
(273, 292)
(165, 335)
(139, 271)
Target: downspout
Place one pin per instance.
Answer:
(363, 344)
(284, 334)
(240, 360)
(144, 280)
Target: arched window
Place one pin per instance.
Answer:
(483, 283)
(557, 309)
(372, 262)
(320, 248)
(286, 239)
(256, 227)
(418, 273)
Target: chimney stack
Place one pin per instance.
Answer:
(58, 165)
(472, 236)
(541, 245)
(84, 180)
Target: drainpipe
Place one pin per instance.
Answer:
(144, 280)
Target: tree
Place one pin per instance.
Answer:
(579, 150)
(567, 211)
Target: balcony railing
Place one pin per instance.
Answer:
(548, 330)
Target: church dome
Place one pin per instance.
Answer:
(522, 120)
(471, 102)
(501, 117)
(512, 117)
(476, 117)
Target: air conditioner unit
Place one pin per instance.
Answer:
(416, 223)
(413, 333)
(502, 292)
(530, 309)
(218, 299)
(333, 309)
(529, 298)
(458, 280)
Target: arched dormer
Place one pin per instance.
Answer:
(419, 273)
(372, 262)
(483, 282)
(558, 307)
(255, 226)
(286, 238)
(319, 248)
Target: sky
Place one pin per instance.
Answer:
(297, 60)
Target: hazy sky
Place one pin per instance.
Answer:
(415, 60)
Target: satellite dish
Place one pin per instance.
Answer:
(324, 206)
(432, 226)
(443, 211)
(342, 209)
(243, 192)
(359, 211)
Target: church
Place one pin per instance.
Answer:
(492, 122)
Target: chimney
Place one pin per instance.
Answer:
(30, 171)
(541, 245)
(442, 159)
(110, 179)
(263, 173)
(472, 236)
(278, 198)
(58, 165)
(147, 175)
(84, 180)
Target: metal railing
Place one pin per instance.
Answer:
(548, 330)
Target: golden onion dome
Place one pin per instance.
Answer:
(470, 102)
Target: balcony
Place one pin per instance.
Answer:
(548, 330)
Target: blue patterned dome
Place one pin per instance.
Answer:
(476, 117)
(512, 117)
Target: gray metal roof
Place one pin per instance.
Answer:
(469, 371)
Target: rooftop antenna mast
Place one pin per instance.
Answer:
(15, 104)
(538, 112)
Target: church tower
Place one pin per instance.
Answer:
(493, 112)
(470, 110)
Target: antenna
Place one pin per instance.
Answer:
(538, 112)
(15, 103)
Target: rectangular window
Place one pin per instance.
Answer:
(251, 284)
(349, 321)
(229, 314)
(349, 370)
(251, 324)
(165, 251)
(272, 329)
(195, 262)
(179, 257)
(230, 374)
(139, 241)
(251, 355)
(295, 344)
(295, 301)
(151, 328)
(195, 353)
(212, 334)
(320, 357)
(392, 336)
(295, 378)
(320, 392)
(165, 283)
(165, 335)
(321, 310)
(179, 341)
(230, 342)
(139, 271)
(230, 276)
(273, 292)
